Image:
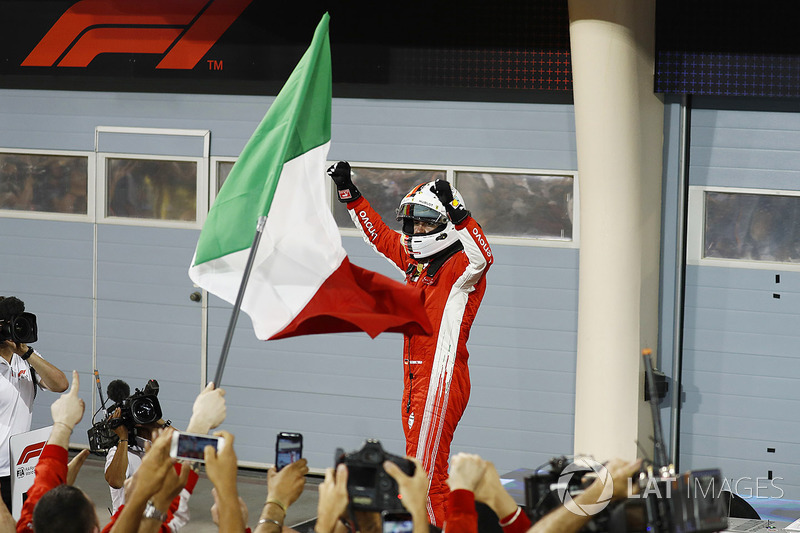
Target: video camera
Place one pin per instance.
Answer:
(691, 502)
(15, 324)
(138, 409)
(369, 486)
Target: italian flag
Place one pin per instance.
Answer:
(301, 281)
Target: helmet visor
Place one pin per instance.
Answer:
(421, 213)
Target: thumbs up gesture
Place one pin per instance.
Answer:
(69, 407)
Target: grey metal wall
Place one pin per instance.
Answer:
(741, 362)
(336, 389)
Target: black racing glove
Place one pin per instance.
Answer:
(455, 210)
(340, 174)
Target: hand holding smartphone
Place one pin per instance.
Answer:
(191, 446)
(288, 449)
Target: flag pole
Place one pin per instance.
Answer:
(226, 346)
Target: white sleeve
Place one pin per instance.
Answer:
(181, 516)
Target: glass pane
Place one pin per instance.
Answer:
(519, 205)
(142, 188)
(223, 169)
(755, 227)
(50, 183)
(384, 188)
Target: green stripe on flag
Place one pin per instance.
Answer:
(298, 121)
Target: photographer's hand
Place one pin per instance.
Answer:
(563, 520)
(620, 472)
(413, 491)
(208, 411)
(333, 499)
(490, 491)
(118, 467)
(51, 377)
(466, 471)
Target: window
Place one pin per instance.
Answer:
(223, 170)
(519, 205)
(752, 227)
(151, 189)
(46, 183)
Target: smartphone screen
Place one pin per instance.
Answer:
(191, 447)
(397, 522)
(288, 449)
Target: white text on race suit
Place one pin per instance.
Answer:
(367, 223)
(480, 239)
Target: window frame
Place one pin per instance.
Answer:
(51, 215)
(201, 192)
(695, 230)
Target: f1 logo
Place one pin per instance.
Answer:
(31, 451)
(183, 29)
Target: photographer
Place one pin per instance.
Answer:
(123, 460)
(22, 368)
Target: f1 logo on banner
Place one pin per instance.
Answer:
(31, 451)
(183, 30)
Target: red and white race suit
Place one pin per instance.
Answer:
(436, 375)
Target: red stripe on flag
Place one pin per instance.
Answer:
(356, 299)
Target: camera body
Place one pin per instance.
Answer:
(140, 408)
(15, 324)
(369, 486)
(540, 488)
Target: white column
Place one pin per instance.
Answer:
(618, 125)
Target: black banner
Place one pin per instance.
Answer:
(728, 48)
(514, 50)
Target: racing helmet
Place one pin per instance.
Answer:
(421, 204)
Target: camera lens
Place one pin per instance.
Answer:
(22, 328)
(144, 411)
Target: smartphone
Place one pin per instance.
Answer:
(288, 449)
(191, 447)
(397, 522)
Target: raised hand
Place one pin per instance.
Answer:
(341, 176)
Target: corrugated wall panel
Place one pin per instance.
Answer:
(336, 389)
(741, 373)
(539, 136)
(50, 269)
(735, 148)
(147, 327)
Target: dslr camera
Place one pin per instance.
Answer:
(369, 486)
(138, 409)
(15, 324)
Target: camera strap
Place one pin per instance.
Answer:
(35, 381)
